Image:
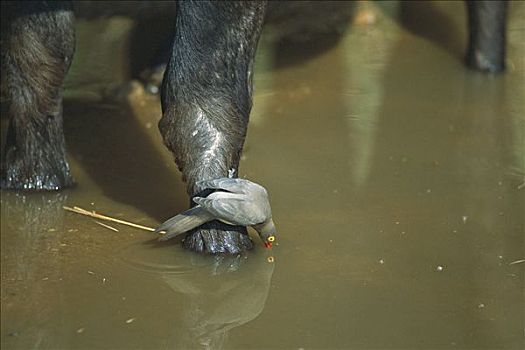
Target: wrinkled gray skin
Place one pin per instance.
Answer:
(238, 202)
(206, 101)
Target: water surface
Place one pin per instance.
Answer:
(397, 185)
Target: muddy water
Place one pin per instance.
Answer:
(397, 183)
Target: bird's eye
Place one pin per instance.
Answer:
(271, 238)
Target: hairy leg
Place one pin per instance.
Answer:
(206, 102)
(37, 48)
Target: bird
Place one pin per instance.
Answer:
(238, 202)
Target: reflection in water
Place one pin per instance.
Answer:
(38, 219)
(38, 223)
(397, 185)
(217, 294)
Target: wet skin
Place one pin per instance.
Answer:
(237, 202)
(369, 181)
(206, 94)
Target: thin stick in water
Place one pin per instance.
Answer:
(106, 226)
(79, 210)
(517, 262)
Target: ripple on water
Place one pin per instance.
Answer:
(162, 259)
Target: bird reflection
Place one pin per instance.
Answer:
(220, 293)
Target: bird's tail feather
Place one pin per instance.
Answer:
(183, 222)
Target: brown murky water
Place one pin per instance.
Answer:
(397, 183)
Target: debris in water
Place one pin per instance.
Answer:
(271, 259)
(520, 186)
(381, 261)
(80, 330)
(481, 306)
(45, 278)
(439, 268)
(104, 280)
(464, 218)
(91, 272)
(517, 262)
(52, 230)
(106, 226)
(130, 320)
(92, 214)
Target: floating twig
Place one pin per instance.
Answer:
(517, 262)
(106, 226)
(92, 214)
